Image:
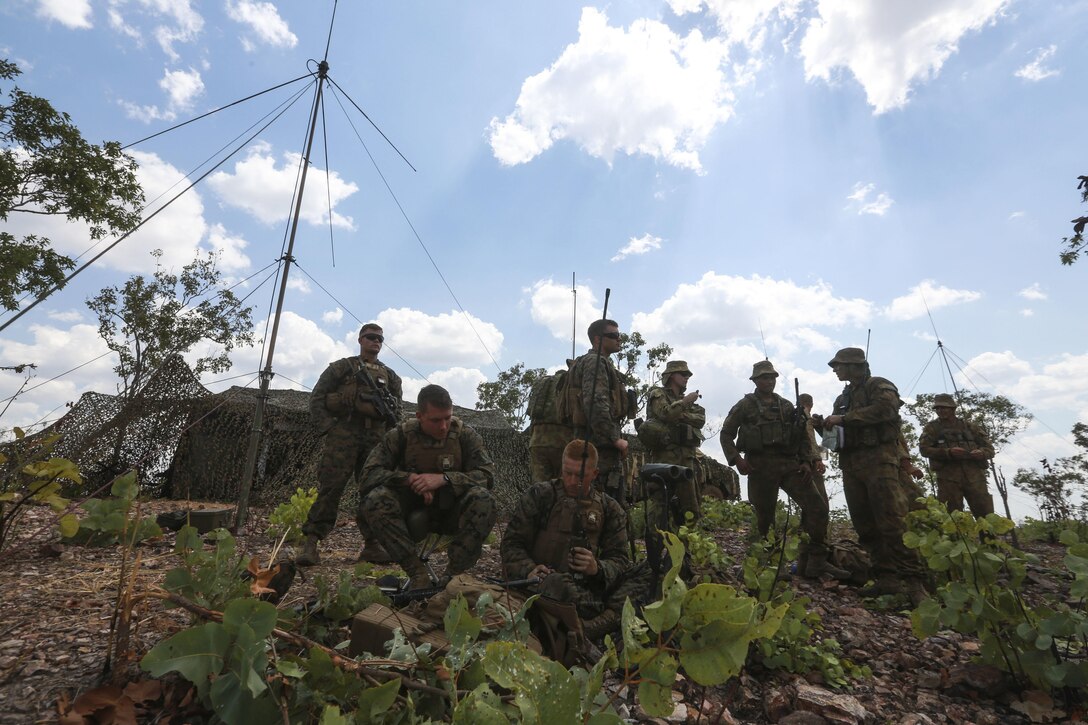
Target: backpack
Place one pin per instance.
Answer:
(542, 406)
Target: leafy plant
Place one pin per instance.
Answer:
(289, 516)
(208, 578)
(705, 557)
(32, 476)
(116, 519)
(718, 514)
(979, 593)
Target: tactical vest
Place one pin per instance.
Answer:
(560, 531)
(569, 391)
(422, 454)
(958, 435)
(353, 395)
(767, 427)
(859, 435)
(659, 434)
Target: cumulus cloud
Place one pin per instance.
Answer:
(228, 249)
(75, 14)
(460, 382)
(551, 305)
(644, 90)
(927, 294)
(332, 317)
(890, 48)
(264, 190)
(443, 339)
(299, 284)
(638, 245)
(1037, 69)
(1027, 312)
(722, 308)
(741, 21)
(1016, 215)
(1034, 292)
(175, 21)
(65, 315)
(859, 199)
(264, 22)
(182, 88)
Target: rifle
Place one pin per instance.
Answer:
(401, 597)
(381, 398)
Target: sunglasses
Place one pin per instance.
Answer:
(611, 335)
(374, 337)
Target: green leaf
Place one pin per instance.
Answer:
(331, 716)
(925, 619)
(373, 701)
(655, 689)
(480, 707)
(287, 668)
(235, 705)
(1068, 537)
(125, 487)
(543, 689)
(68, 525)
(663, 615)
(461, 625)
(715, 652)
(605, 718)
(196, 653)
(259, 616)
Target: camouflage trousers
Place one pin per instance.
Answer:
(590, 600)
(545, 462)
(688, 494)
(771, 473)
(468, 518)
(878, 507)
(611, 469)
(344, 453)
(912, 490)
(962, 481)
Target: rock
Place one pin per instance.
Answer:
(915, 718)
(776, 704)
(974, 681)
(907, 662)
(835, 707)
(928, 701)
(929, 680)
(800, 717)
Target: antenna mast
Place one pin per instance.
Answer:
(574, 313)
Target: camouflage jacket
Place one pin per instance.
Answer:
(335, 375)
(938, 437)
(744, 420)
(385, 464)
(606, 423)
(870, 411)
(531, 517)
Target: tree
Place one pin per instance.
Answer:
(1054, 487)
(48, 168)
(1075, 244)
(509, 393)
(147, 320)
(629, 357)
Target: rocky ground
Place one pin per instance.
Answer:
(58, 602)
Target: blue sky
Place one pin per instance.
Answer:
(816, 168)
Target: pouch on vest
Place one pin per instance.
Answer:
(654, 434)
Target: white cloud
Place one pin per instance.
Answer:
(1027, 312)
(1016, 215)
(264, 190)
(1036, 70)
(859, 198)
(264, 21)
(228, 249)
(645, 91)
(1034, 292)
(182, 88)
(927, 294)
(890, 47)
(332, 317)
(75, 14)
(178, 21)
(741, 21)
(65, 315)
(724, 308)
(460, 382)
(445, 339)
(551, 306)
(299, 284)
(638, 245)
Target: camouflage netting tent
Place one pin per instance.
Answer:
(211, 453)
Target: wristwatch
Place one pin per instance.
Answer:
(446, 479)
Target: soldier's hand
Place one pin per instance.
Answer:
(977, 454)
(806, 472)
(743, 466)
(915, 472)
(621, 446)
(820, 467)
(583, 561)
(424, 483)
(831, 421)
(539, 571)
(957, 452)
(691, 397)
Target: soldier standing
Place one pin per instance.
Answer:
(868, 413)
(958, 450)
(574, 538)
(777, 455)
(598, 405)
(346, 407)
(548, 434)
(818, 466)
(672, 412)
(435, 464)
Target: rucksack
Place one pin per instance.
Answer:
(542, 406)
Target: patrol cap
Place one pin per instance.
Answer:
(848, 355)
(763, 367)
(943, 400)
(676, 366)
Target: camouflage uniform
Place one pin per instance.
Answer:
(870, 466)
(352, 428)
(607, 402)
(548, 435)
(463, 508)
(765, 429)
(542, 531)
(911, 489)
(958, 478)
(817, 477)
(684, 422)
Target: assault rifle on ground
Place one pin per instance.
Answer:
(401, 597)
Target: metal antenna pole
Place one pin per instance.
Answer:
(246, 483)
(574, 314)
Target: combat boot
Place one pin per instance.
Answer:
(817, 567)
(374, 552)
(418, 576)
(604, 623)
(309, 555)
